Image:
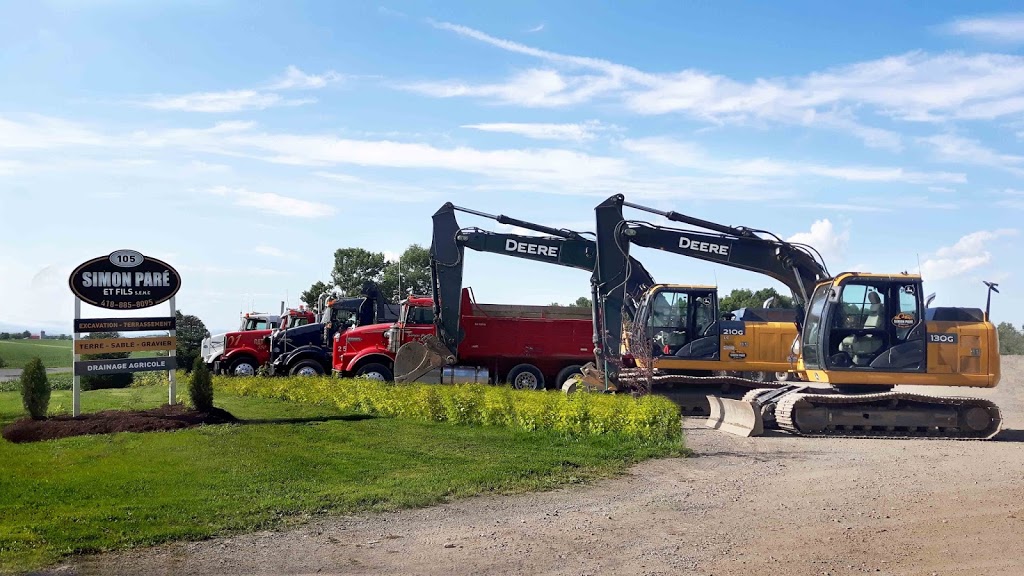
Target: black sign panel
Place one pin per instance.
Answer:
(124, 365)
(125, 280)
(126, 324)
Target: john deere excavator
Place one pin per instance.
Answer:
(859, 336)
(447, 249)
(679, 334)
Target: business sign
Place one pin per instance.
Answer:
(108, 345)
(124, 365)
(125, 280)
(126, 324)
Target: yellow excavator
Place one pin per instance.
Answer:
(859, 335)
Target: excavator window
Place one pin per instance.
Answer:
(812, 327)
(668, 316)
(877, 326)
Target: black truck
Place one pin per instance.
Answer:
(306, 350)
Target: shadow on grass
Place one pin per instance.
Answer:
(308, 420)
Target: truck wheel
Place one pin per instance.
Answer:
(242, 367)
(307, 368)
(526, 377)
(567, 372)
(375, 371)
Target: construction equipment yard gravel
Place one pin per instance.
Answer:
(768, 505)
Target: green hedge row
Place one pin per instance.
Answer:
(649, 417)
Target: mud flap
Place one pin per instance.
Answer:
(416, 358)
(735, 417)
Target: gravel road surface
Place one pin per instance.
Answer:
(767, 505)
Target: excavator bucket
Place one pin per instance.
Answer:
(589, 379)
(738, 417)
(416, 358)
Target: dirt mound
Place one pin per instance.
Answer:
(166, 417)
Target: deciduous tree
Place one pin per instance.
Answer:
(190, 333)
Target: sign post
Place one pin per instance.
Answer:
(124, 280)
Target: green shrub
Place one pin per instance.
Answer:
(35, 389)
(2, 363)
(200, 386)
(649, 417)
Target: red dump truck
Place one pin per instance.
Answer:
(531, 347)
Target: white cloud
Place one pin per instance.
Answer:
(274, 203)
(690, 155)
(578, 132)
(968, 253)
(1004, 28)
(914, 86)
(295, 78)
(229, 101)
(536, 28)
(824, 238)
(42, 132)
(244, 99)
(270, 251)
(951, 148)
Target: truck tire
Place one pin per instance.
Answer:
(526, 377)
(243, 366)
(566, 373)
(307, 368)
(375, 371)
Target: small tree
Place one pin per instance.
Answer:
(200, 386)
(35, 389)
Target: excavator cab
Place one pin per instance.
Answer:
(875, 323)
(681, 322)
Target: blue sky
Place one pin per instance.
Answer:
(244, 143)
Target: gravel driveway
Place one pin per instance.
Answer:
(743, 506)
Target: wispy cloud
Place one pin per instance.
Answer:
(1000, 28)
(536, 28)
(274, 203)
(243, 99)
(270, 251)
(968, 253)
(230, 101)
(952, 148)
(295, 78)
(578, 132)
(914, 86)
(690, 155)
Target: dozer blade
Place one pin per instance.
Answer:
(735, 417)
(416, 358)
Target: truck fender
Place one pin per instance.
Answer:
(379, 356)
(307, 353)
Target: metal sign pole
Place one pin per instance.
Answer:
(76, 387)
(171, 376)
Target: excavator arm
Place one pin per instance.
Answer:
(447, 252)
(795, 265)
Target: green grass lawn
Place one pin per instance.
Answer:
(53, 353)
(287, 462)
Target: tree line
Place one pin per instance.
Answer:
(26, 335)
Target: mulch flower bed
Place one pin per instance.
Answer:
(166, 417)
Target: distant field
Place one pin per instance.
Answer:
(53, 353)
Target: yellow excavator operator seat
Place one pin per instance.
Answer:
(863, 348)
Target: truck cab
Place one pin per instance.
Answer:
(242, 352)
(369, 350)
(308, 350)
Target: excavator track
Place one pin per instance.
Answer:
(897, 415)
(690, 393)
